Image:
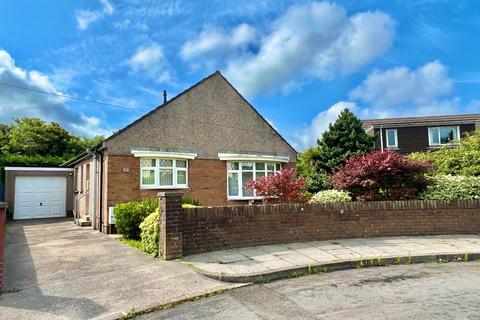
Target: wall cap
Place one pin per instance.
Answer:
(169, 194)
(3, 205)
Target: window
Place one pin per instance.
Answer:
(239, 173)
(443, 135)
(392, 140)
(163, 173)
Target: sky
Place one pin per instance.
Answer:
(298, 62)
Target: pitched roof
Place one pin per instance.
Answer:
(419, 121)
(82, 156)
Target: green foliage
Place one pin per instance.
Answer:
(463, 160)
(149, 235)
(129, 215)
(330, 196)
(308, 168)
(191, 201)
(132, 243)
(448, 187)
(344, 139)
(23, 160)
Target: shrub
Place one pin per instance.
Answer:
(448, 187)
(382, 176)
(308, 168)
(149, 235)
(330, 196)
(129, 215)
(463, 160)
(191, 201)
(282, 187)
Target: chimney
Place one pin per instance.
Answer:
(164, 96)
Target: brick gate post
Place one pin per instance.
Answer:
(170, 220)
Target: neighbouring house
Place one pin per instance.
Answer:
(207, 142)
(413, 134)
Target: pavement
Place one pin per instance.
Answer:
(424, 291)
(56, 270)
(271, 262)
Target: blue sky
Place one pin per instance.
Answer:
(298, 62)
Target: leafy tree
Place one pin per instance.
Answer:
(4, 135)
(308, 167)
(344, 139)
(33, 136)
(382, 176)
(78, 145)
(463, 160)
(282, 187)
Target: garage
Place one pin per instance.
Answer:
(38, 192)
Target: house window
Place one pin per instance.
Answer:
(163, 173)
(239, 173)
(442, 135)
(87, 177)
(392, 139)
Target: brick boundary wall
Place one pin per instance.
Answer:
(3, 214)
(206, 229)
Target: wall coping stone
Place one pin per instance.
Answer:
(3, 204)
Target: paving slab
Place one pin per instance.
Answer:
(56, 270)
(270, 262)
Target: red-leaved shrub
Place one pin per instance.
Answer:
(282, 187)
(380, 175)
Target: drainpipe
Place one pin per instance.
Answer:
(94, 189)
(381, 138)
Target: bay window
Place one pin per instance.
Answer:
(443, 135)
(239, 173)
(158, 173)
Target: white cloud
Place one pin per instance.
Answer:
(213, 45)
(314, 40)
(401, 90)
(309, 135)
(16, 103)
(86, 17)
(150, 60)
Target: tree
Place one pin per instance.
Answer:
(308, 168)
(382, 176)
(282, 187)
(33, 136)
(344, 139)
(463, 160)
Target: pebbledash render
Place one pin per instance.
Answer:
(207, 142)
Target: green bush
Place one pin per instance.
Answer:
(191, 201)
(448, 187)
(149, 234)
(330, 196)
(463, 160)
(129, 215)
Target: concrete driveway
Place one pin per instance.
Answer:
(56, 270)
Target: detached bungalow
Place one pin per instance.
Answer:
(207, 142)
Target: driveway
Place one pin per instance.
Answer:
(422, 291)
(56, 270)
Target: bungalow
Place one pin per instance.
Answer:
(407, 135)
(207, 142)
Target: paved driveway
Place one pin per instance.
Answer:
(55, 270)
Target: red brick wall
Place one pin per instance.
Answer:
(215, 228)
(2, 237)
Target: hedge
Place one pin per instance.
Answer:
(129, 215)
(330, 196)
(448, 187)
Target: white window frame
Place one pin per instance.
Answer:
(396, 138)
(157, 168)
(254, 170)
(439, 138)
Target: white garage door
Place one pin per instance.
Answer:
(39, 197)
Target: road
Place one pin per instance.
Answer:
(422, 291)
